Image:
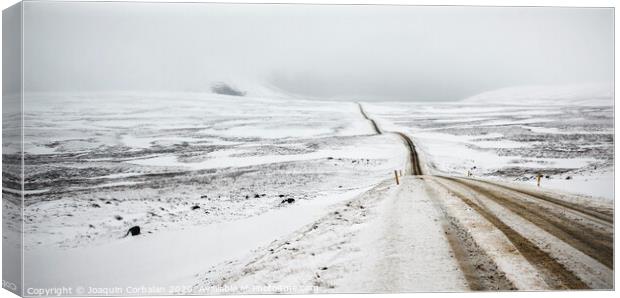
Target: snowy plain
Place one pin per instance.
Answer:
(215, 180)
(234, 171)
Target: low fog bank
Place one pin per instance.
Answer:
(369, 53)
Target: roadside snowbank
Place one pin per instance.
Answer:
(389, 239)
(172, 258)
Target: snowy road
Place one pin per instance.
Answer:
(415, 167)
(434, 233)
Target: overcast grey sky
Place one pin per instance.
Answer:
(341, 52)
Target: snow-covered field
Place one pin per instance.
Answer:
(220, 185)
(566, 134)
(199, 174)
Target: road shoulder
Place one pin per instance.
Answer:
(389, 239)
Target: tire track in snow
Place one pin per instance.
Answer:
(577, 233)
(554, 273)
(479, 269)
(592, 214)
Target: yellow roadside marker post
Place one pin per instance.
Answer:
(396, 176)
(538, 176)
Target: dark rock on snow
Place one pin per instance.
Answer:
(289, 200)
(134, 231)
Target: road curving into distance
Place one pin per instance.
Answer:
(569, 243)
(414, 166)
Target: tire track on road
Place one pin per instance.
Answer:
(554, 273)
(604, 218)
(592, 242)
(479, 269)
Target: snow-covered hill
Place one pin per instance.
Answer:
(598, 94)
